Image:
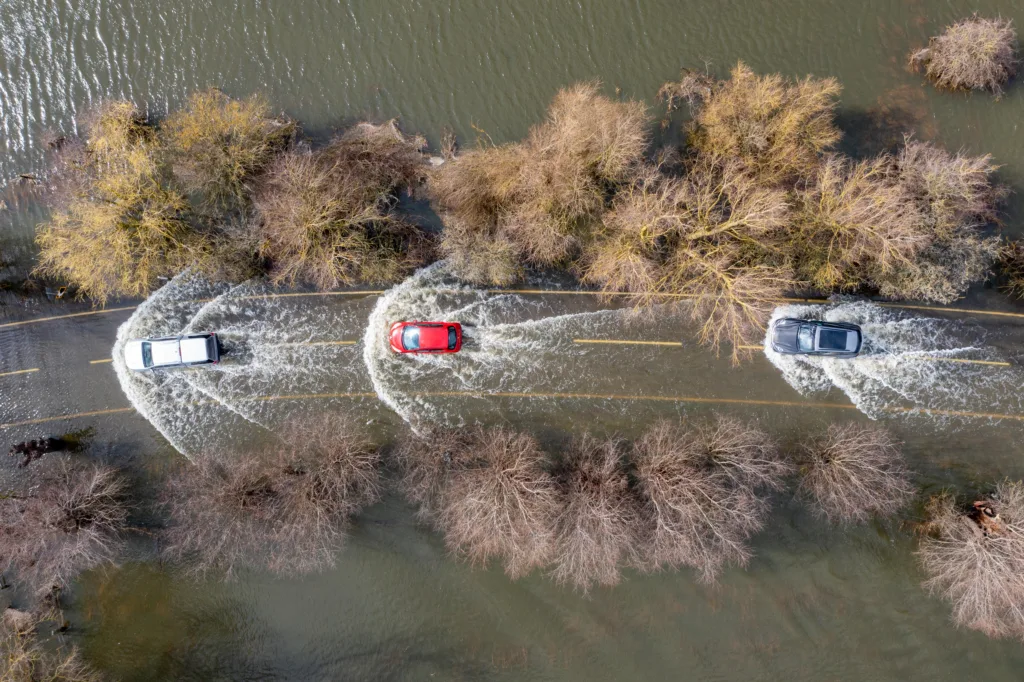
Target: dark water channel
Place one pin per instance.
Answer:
(816, 602)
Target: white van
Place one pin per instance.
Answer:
(172, 351)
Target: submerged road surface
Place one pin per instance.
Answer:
(546, 359)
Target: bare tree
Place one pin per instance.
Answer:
(775, 127)
(703, 489)
(705, 237)
(488, 491)
(598, 528)
(1011, 260)
(324, 216)
(536, 202)
(975, 559)
(972, 54)
(852, 472)
(25, 658)
(71, 519)
(284, 509)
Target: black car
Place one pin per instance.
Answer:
(815, 337)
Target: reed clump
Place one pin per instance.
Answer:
(534, 203)
(326, 217)
(488, 491)
(974, 558)
(73, 517)
(851, 473)
(218, 145)
(972, 54)
(283, 509)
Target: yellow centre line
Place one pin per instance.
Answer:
(100, 362)
(78, 415)
(20, 371)
(318, 343)
(564, 396)
(104, 311)
(627, 342)
(933, 358)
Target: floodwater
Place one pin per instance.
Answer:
(815, 603)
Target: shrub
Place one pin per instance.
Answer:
(1011, 260)
(487, 491)
(116, 227)
(775, 127)
(700, 237)
(325, 217)
(219, 144)
(977, 562)
(972, 54)
(852, 472)
(539, 199)
(70, 520)
(702, 489)
(24, 658)
(597, 531)
(284, 510)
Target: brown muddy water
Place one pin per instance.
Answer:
(815, 603)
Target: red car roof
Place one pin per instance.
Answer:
(433, 338)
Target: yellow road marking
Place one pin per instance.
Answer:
(933, 358)
(936, 358)
(565, 396)
(318, 343)
(20, 371)
(64, 317)
(44, 420)
(627, 342)
(100, 362)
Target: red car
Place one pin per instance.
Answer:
(426, 337)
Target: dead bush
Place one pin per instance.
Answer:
(488, 491)
(597, 531)
(972, 54)
(541, 198)
(116, 227)
(852, 472)
(1011, 261)
(218, 145)
(705, 237)
(284, 509)
(25, 658)
(71, 519)
(703, 490)
(777, 128)
(324, 217)
(974, 558)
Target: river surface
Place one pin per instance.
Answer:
(816, 603)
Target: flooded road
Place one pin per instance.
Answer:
(812, 602)
(815, 603)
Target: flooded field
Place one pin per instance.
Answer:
(816, 602)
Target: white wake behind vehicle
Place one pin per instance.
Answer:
(172, 351)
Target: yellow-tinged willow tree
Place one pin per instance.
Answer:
(117, 225)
